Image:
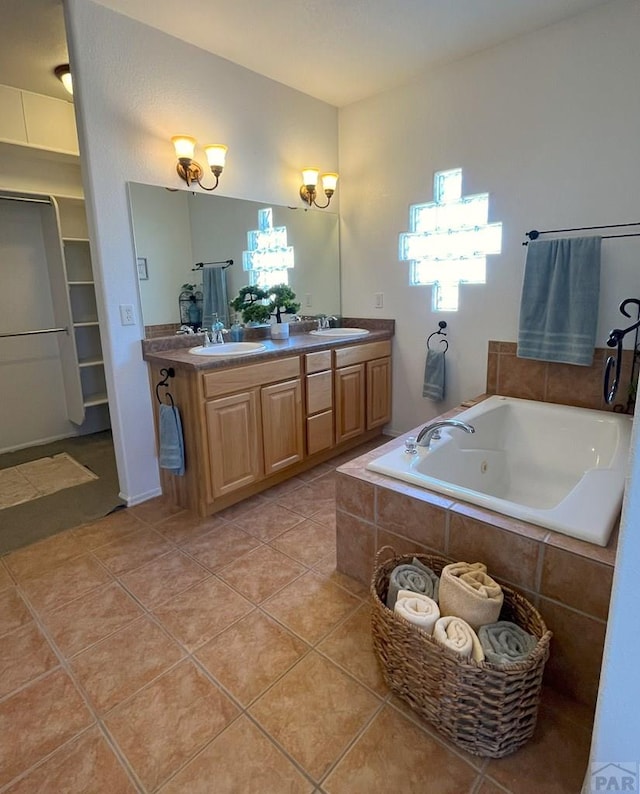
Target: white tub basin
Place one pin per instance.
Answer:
(229, 349)
(335, 333)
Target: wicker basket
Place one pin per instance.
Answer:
(484, 709)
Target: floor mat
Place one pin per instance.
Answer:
(41, 477)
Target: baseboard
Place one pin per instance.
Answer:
(38, 443)
(131, 501)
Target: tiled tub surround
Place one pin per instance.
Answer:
(155, 651)
(567, 384)
(568, 580)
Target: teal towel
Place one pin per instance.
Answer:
(433, 386)
(505, 642)
(414, 576)
(559, 305)
(171, 440)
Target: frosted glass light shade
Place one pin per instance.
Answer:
(185, 146)
(216, 155)
(329, 182)
(310, 177)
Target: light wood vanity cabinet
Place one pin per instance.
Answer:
(255, 432)
(362, 388)
(251, 426)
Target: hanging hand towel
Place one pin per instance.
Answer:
(505, 642)
(458, 636)
(433, 385)
(467, 591)
(559, 305)
(171, 440)
(418, 609)
(414, 576)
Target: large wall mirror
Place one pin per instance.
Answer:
(173, 230)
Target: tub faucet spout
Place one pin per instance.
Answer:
(432, 431)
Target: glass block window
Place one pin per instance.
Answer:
(268, 258)
(449, 240)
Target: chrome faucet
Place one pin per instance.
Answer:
(185, 329)
(432, 432)
(206, 341)
(325, 322)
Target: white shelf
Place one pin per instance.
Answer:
(91, 362)
(81, 283)
(85, 324)
(95, 399)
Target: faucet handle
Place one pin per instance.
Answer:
(410, 445)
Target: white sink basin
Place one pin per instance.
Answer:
(340, 332)
(229, 349)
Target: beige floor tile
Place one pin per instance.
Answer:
(39, 557)
(163, 578)
(327, 567)
(241, 761)
(24, 655)
(311, 606)
(231, 513)
(220, 547)
(326, 515)
(115, 668)
(261, 573)
(5, 577)
(308, 542)
(186, 526)
(84, 621)
(13, 611)
(350, 645)
(133, 551)
(156, 510)
(37, 720)
(87, 765)
(268, 520)
(317, 471)
(314, 712)
(200, 613)
(490, 787)
(72, 579)
(306, 501)
(276, 491)
(250, 655)
(540, 765)
(395, 755)
(177, 714)
(112, 527)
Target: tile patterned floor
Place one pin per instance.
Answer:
(157, 651)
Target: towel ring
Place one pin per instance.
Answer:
(439, 332)
(168, 373)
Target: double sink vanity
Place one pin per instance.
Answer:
(258, 412)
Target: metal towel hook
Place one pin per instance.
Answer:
(440, 332)
(167, 372)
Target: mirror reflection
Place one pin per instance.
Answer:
(174, 230)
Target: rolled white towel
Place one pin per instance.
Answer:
(418, 609)
(457, 635)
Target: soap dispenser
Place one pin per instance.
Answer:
(236, 332)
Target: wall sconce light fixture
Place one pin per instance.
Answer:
(63, 73)
(308, 191)
(189, 169)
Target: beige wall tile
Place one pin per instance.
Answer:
(355, 496)
(576, 581)
(412, 518)
(355, 547)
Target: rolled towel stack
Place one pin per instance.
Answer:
(418, 609)
(415, 577)
(468, 592)
(505, 642)
(458, 636)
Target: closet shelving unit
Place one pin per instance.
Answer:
(80, 287)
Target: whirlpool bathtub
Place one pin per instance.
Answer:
(560, 467)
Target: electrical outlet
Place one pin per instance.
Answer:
(379, 300)
(127, 316)
(307, 300)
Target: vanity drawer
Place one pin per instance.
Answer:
(346, 356)
(319, 432)
(316, 362)
(238, 378)
(319, 392)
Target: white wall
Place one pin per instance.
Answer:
(135, 88)
(34, 410)
(548, 125)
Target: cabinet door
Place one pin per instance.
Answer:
(282, 425)
(378, 392)
(234, 441)
(349, 402)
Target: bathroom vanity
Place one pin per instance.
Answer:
(252, 421)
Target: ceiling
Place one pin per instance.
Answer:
(339, 51)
